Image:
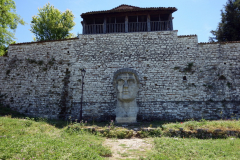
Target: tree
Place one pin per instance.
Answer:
(229, 27)
(51, 24)
(8, 21)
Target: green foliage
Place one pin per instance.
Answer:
(8, 21)
(150, 133)
(33, 61)
(51, 24)
(101, 131)
(188, 68)
(118, 133)
(229, 27)
(51, 62)
(3, 50)
(176, 68)
(229, 85)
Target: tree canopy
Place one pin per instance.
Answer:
(229, 27)
(51, 24)
(8, 21)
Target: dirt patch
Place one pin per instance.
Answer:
(129, 148)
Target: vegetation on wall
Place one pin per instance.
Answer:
(188, 68)
(63, 104)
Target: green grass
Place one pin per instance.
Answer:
(180, 148)
(38, 138)
(205, 124)
(25, 138)
(6, 111)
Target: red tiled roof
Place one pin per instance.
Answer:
(128, 8)
(124, 6)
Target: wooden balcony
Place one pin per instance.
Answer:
(127, 27)
(115, 28)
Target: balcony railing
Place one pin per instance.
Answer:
(161, 25)
(137, 26)
(132, 27)
(93, 29)
(115, 27)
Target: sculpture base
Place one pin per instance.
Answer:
(126, 119)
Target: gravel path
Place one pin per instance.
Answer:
(128, 148)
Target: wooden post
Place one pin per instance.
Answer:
(126, 24)
(171, 21)
(161, 25)
(83, 31)
(105, 25)
(83, 25)
(94, 26)
(148, 23)
(137, 25)
(169, 24)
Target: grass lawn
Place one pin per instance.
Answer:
(205, 124)
(180, 148)
(28, 139)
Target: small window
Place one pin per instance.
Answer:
(184, 78)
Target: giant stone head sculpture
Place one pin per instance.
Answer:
(126, 84)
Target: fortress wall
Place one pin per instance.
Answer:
(44, 78)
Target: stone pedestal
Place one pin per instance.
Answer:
(126, 119)
(126, 112)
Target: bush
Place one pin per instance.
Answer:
(150, 133)
(118, 133)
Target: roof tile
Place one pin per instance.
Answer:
(128, 8)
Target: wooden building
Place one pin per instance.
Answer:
(126, 18)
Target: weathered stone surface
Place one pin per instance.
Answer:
(126, 85)
(182, 80)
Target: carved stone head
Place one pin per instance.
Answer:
(126, 84)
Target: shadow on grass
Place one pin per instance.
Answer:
(6, 111)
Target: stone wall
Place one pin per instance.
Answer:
(179, 77)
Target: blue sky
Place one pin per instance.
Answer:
(193, 16)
